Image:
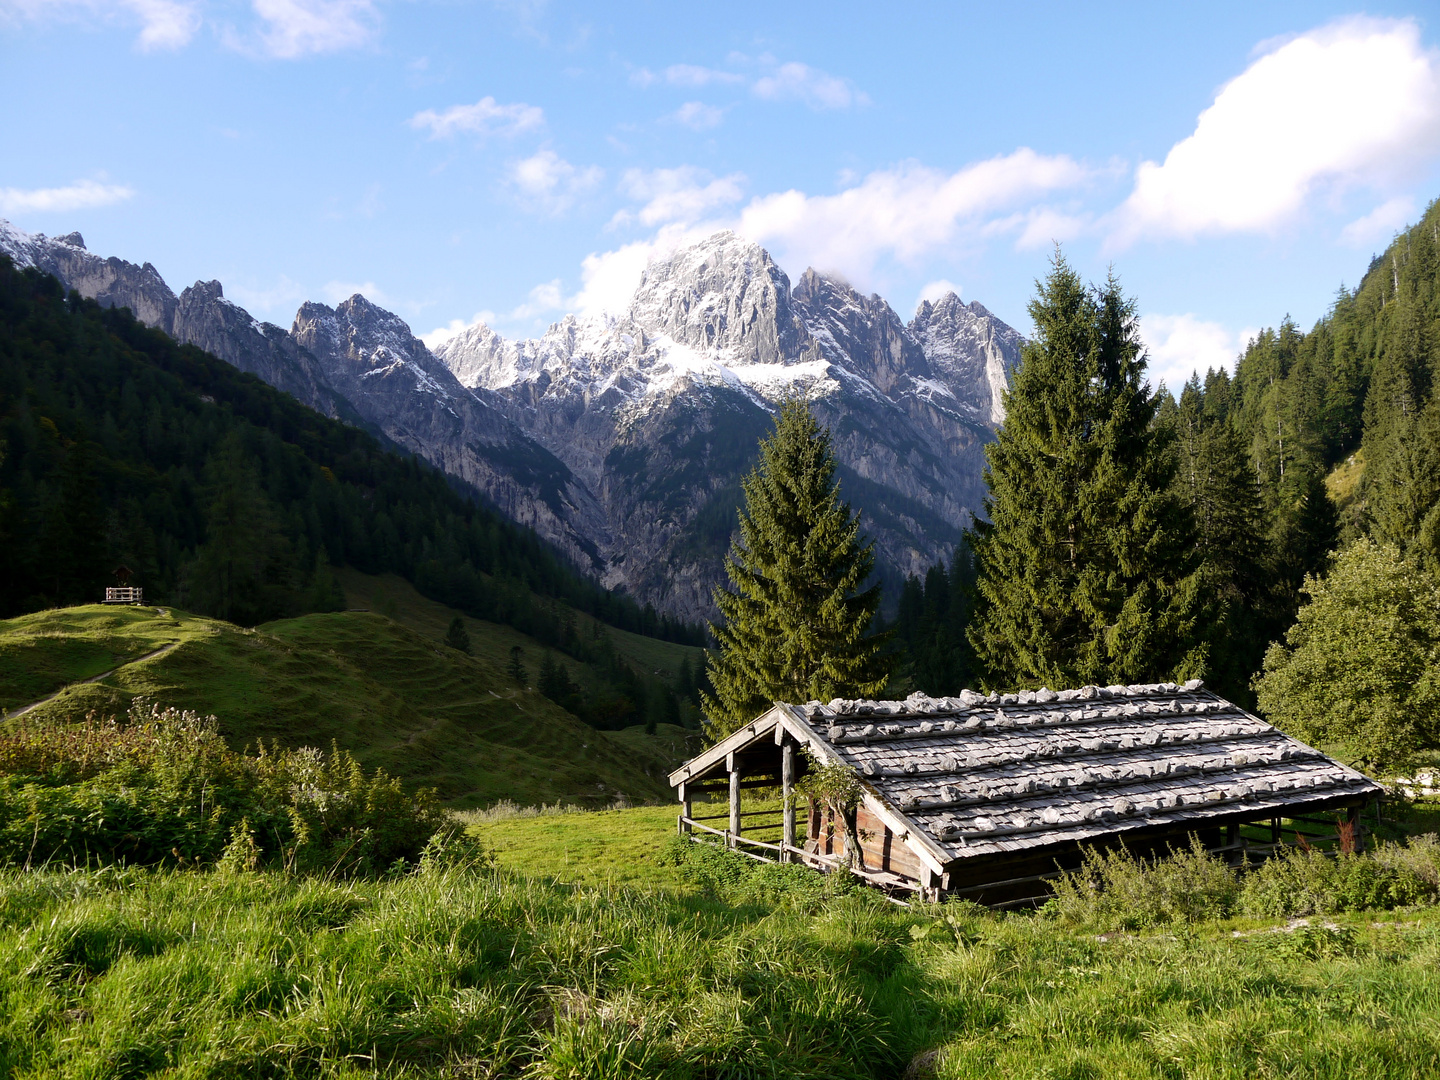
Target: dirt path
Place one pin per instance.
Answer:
(94, 678)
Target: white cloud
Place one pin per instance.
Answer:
(801, 82)
(545, 297)
(684, 194)
(485, 118)
(790, 81)
(296, 28)
(548, 183)
(1182, 345)
(937, 290)
(691, 75)
(1354, 103)
(81, 195)
(441, 334)
(906, 212)
(1042, 226)
(164, 24)
(336, 291)
(1381, 223)
(609, 278)
(698, 116)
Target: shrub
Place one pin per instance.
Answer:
(1309, 883)
(1115, 890)
(163, 788)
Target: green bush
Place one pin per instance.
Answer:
(163, 788)
(1115, 890)
(1309, 883)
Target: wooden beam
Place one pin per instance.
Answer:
(787, 788)
(687, 811)
(710, 787)
(734, 796)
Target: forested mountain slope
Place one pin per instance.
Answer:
(121, 446)
(1352, 400)
(226, 497)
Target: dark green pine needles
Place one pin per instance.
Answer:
(796, 627)
(1086, 570)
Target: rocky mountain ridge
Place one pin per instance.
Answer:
(356, 363)
(623, 438)
(658, 407)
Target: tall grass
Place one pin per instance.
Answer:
(447, 972)
(465, 971)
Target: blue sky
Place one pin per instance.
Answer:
(512, 161)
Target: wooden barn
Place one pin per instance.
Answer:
(987, 797)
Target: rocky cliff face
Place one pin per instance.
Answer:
(623, 438)
(111, 282)
(658, 409)
(969, 347)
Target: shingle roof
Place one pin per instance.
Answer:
(984, 775)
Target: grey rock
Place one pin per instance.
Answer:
(658, 409)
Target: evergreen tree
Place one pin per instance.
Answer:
(1214, 482)
(1086, 573)
(457, 637)
(795, 628)
(685, 681)
(515, 666)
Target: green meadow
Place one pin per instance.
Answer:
(654, 961)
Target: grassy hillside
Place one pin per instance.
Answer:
(388, 692)
(394, 597)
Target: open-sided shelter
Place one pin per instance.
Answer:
(986, 796)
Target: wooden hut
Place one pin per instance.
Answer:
(987, 797)
(124, 593)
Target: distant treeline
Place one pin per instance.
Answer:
(1249, 458)
(121, 448)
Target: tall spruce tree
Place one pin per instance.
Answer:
(1214, 482)
(1087, 573)
(796, 626)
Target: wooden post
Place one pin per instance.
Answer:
(734, 767)
(1274, 830)
(787, 788)
(687, 809)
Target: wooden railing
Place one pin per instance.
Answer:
(783, 852)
